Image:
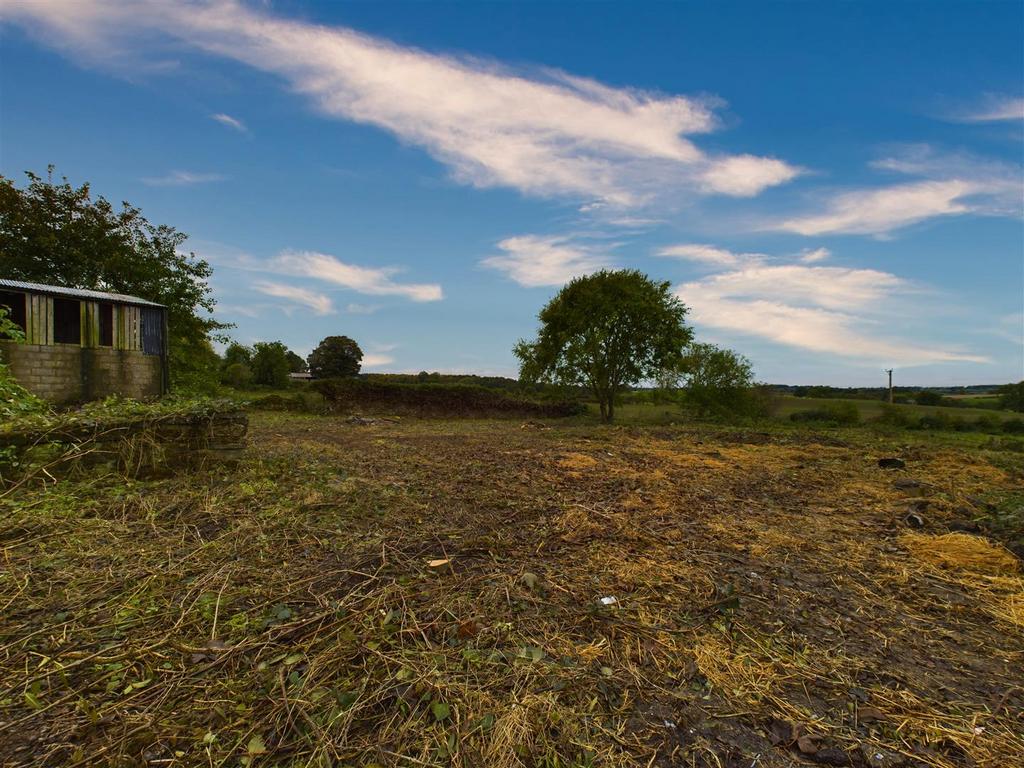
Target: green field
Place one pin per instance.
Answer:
(872, 409)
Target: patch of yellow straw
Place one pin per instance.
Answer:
(961, 551)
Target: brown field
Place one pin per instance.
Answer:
(429, 593)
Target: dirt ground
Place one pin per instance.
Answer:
(493, 593)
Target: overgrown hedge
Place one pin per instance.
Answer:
(435, 399)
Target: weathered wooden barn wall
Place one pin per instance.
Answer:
(127, 323)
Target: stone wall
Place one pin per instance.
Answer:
(66, 373)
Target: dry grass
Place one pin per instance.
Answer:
(429, 593)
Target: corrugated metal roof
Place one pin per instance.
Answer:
(77, 293)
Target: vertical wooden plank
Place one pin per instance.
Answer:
(50, 324)
(31, 322)
(34, 324)
(94, 323)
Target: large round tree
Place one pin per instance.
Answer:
(606, 331)
(335, 356)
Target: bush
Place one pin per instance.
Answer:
(237, 375)
(1013, 426)
(435, 399)
(15, 400)
(894, 417)
(835, 413)
(987, 423)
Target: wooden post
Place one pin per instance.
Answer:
(889, 371)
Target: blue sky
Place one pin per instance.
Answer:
(832, 188)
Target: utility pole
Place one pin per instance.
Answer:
(889, 371)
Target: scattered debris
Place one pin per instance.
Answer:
(609, 600)
(366, 421)
(914, 520)
(891, 462)
(965, 526)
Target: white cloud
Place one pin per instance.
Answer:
(809, 256)
(877, 211)
(375, 360)
(993, 109)
(361, 309)
(708, 254)
(952, 184)
(374, 281)
(319, 303)
(747, 175)
(181, 179)
(545, 133)
(839, 311)
(230, 122)
(534, 260)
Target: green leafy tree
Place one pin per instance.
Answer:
(270, 363)
(296, 364)
(717, 381)
(60, 234)
(335, 356)
(236, 366)
(1011, 396)
(237, 375)
(237, 354)
(606, 331)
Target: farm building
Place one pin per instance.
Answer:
(82, 345)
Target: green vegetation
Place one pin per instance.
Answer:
(334, 357)
(606, 331)
(1011, 396)
(447, 400)
(15, 400)
(270, 364)
(59, 234)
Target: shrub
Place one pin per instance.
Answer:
(833, 413)
(237, 375)
(1013, 426)
(435, 399)
(893, 416)
(987, 423)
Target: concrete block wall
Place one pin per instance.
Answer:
(66, 373)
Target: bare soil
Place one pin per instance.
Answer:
(492, 593)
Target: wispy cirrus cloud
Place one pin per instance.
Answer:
(373, 281)
(708, 254)
(182, 179)
(949, 184)
(230, 122)
(319, 303)
(354, 308)
(991, 108)
(541, 260)
(814, 255)
(878, 211)
(543, 132)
